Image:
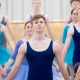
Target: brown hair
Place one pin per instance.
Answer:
(26, 24)
(73, 1)
(72, 11)
(38, 16)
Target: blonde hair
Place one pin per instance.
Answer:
(35, 0)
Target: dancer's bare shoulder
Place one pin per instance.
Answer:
(56, 48)
(23, 48)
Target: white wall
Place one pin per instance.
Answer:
(54, 9)
(19, 9)
(66, 8)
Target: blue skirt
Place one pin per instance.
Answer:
(4, 55)
(56, 75)
(22, 73)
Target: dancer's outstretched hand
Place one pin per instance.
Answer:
(2, 72)
(57, 68)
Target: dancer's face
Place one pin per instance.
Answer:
(75, 4)
(29, 29)
(78, 14)
(39, 25)
(74, 15)
(36, 4)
